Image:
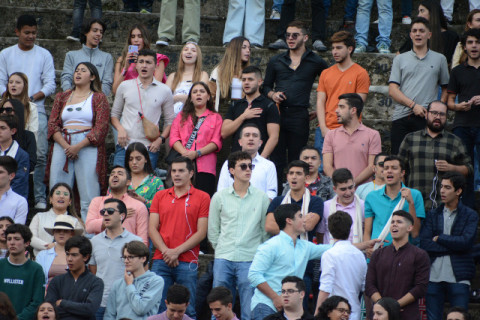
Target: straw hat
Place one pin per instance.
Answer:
(65, 222)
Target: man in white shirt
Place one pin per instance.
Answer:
(264, 174)
(37, 63)
(343, 266)
(145, 95)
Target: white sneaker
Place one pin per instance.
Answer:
(275, 15)
(72, 38)
(162, 42)
(41, 205)
(406, 20)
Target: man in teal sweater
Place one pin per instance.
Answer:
(20, 278)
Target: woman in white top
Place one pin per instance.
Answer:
(236, 58)
(17, 88)
(60, 199)
(189, 70)
(77, 128)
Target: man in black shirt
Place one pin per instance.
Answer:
(288, 82)
(464, 84)
(254, 108)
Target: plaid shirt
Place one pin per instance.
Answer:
(419, 151)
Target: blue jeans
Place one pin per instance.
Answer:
(362, 25)
(78, 11)
(185, 274)
(470, 137)
(247, 18)
(232, 275)
(277, 5)
(81, 171)
(318, 144)
(261, 311)
(100, 313)
(457, 294)
(119, 159)
(350, 9)
(39, 188)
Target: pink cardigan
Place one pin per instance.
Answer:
(208, 132)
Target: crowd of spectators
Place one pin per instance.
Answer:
(355, 232)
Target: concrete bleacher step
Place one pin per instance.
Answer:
(378, 65)
(57, 24)
(220, 7)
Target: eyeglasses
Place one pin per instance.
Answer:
(380, 164)
(345, 188)
(341, 310)
(58, 193)
(438, 114)
(108, 211)
(128, 258)
(244, 166)
(6, 110)
(294, 36)
(289, 291)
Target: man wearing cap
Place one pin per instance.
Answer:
(106, 262)
(65, 225)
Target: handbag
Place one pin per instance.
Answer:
(173, 154)
(151, 130)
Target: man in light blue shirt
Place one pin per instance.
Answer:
(236, 227)
(379, 204)
(281, 256)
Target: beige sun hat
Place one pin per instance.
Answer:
(65, 222)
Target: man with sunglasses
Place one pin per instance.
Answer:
(288, 82)
(236, 227)
(136, 220)
(430, 152)
(352, 145)
(345, 200)
(106, 261)
(77, 293)
(378, 177)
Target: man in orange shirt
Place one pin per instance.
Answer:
(345, 76)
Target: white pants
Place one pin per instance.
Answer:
(447, 6)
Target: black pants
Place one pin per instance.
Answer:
(205, 182)
(402, 127)
(294, 131)
(318, 19)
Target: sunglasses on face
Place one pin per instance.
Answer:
(244, 166)
(108, 211)
(380, 164)
(6, 110)
(294, 36)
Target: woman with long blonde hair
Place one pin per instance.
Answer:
(189, 70)
(236, 58)
(17, 88)
(125, 65)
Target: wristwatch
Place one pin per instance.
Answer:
(32, 99)
(163, 139)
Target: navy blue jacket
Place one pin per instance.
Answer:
(458, 245)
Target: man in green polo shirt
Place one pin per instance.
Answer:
(236, 227)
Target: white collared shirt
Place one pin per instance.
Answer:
(344, 269)
(264, 176)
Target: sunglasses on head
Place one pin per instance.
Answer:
(6, 110)
(244, 166)
(108, 211)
